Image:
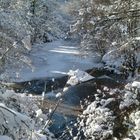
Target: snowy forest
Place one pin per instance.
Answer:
(69, 70)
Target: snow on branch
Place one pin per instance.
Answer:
(12, 121)
(21, 117)
(13, 113)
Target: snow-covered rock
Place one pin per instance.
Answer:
(78, 76)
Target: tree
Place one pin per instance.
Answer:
(22, 24)
(103, 24)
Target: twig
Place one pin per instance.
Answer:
(3, 55)
(55, 108)
(43, 93)
(58, 103)
(129, 11)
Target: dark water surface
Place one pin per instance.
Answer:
(68, 110)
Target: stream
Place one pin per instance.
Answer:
(68, 110)
(63, 78)
(49, 65)
(46, 70)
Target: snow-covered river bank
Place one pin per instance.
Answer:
(52, 60)
(54, 87)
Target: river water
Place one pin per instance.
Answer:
(68, 110)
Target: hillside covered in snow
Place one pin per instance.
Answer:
(69, 70)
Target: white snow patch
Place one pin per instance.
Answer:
(137, 38)
(27, 42)
(59, 94)
(129, 98)
(5, 138)
(65, 89)
(68, 47)
(136, 84)
(95, 118)
(134, 120)
(38, 136)
(112, 59)
(13, 114)
(38, 113)
(65, 51)
(52, 60)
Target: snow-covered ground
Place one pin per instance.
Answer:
(51, 60)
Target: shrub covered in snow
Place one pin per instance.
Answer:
(21, 117)
(25, 22)
(109, 26)
(113, 115)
